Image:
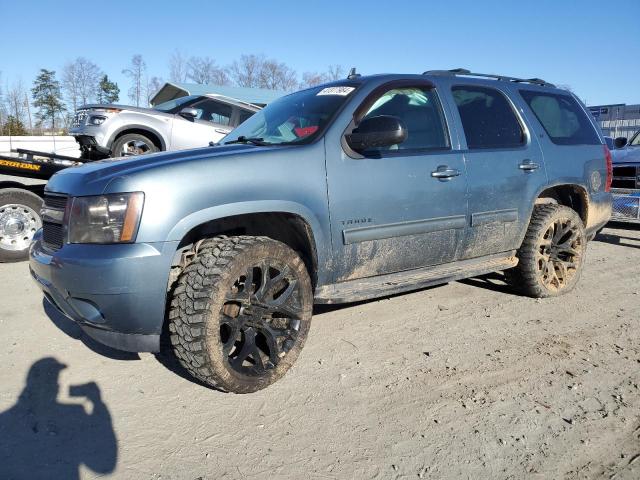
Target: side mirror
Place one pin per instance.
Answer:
(189, 113)
(620, 142)
(380, 131)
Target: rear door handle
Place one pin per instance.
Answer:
(444, 173)
(528, 166)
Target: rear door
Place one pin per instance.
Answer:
(400, 207)
(571, 142)
(211, 124)
(505, 168)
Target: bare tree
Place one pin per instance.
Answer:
(311, 79)
(80, 80)
(136, 72)
(15, 100)
(276, 75)
(335, 72)
(178, 69)
(245, 72)
(257, 71)
(153, 85)
(204, 70)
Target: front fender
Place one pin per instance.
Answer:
(218, 212)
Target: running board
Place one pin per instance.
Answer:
(392, 283)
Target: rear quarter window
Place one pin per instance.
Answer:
(562, 118)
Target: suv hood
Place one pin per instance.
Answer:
(99, 106)
(93, 178)
(626, 155)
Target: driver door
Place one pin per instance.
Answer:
(211, 124)
(391, 210)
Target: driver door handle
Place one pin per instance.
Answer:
(444, 173)
(528, 166)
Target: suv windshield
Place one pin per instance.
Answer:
(176, 102)
(296, 118)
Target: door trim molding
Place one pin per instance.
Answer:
(402, 229)
(494, 216)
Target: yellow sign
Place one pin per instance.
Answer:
(24, 166)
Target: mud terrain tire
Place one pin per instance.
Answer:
(552, 253)
(240, 312)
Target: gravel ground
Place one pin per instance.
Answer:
(464, 380)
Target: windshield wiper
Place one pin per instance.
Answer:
(252, 140)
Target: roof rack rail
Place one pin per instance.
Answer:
(467, 73)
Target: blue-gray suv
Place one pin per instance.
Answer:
(347, 191)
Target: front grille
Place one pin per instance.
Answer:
(53, 231)
(52, 235)
(55, 201)
(79, 118)
(627, 176)
(626, 205)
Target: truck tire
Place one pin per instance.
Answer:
(240, 312)
(19, 221)
(134, 144)
(552, 253)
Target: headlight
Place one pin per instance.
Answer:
(97, 120)
(110, 218)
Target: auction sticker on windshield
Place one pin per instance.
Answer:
(343, 91)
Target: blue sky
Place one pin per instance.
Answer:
(593, 47)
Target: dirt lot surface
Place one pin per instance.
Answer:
(465, 380)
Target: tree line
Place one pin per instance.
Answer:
(50, 103)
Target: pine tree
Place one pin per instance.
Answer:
(47, 97)
(108, 91)
(14, 127)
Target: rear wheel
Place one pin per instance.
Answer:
(19, 221)
(132, 144)
(241, 312)
(552, 253)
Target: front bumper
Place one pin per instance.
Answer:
(116, 293)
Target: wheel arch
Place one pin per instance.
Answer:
(287, 222)
(153, 135)
(573, 196)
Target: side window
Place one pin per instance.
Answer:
(420, 111)
(562, 118)
(213, 111)
(244, 115)
(487, 118)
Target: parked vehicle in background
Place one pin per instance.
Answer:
(186, 122)
(609, 141)
(356, 189)
(626, 179)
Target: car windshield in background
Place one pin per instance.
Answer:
(296, 118)
(172, 104)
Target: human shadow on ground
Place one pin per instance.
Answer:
(73, 330)
(41, 438)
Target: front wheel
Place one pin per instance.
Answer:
(132, 144)
(241, 312)
(552, 253)
(19, 221)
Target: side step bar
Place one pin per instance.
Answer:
(392, 283)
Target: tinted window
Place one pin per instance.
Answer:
(212, 111)
(421, 114)
(487, 118)
(244, 115)
(562, 118)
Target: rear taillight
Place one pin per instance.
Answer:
(607, 157)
